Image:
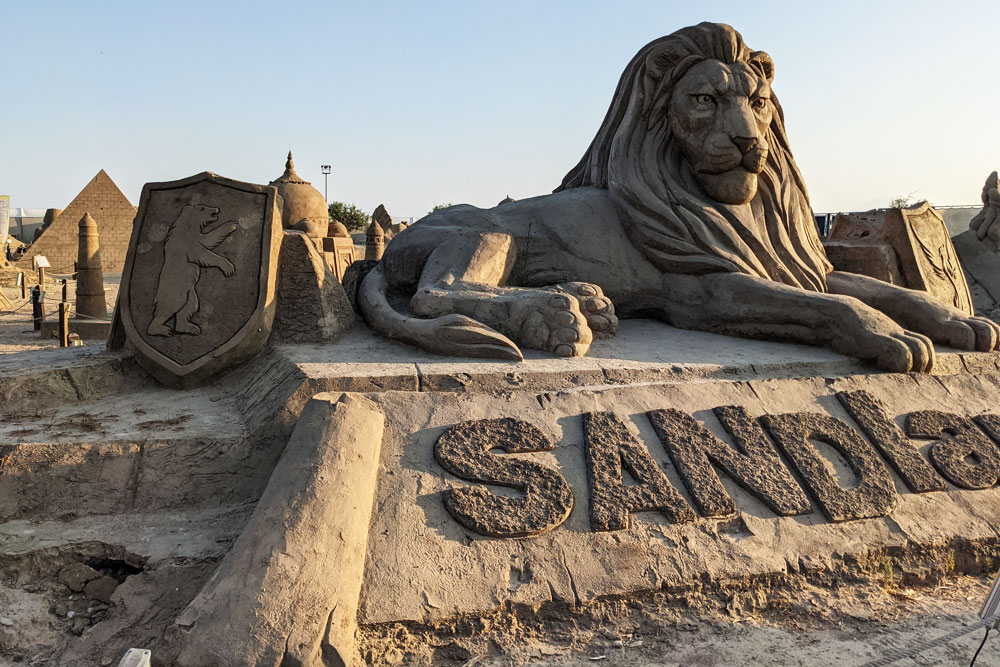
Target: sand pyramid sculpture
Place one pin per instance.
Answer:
(112, 212)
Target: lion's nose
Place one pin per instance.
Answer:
(745, 143)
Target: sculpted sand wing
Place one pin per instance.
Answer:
(687, 207)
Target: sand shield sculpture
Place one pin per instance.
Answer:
(198, 287)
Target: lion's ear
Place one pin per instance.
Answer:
(663, 59)
(762, 62)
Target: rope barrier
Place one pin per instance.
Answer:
(981, 645)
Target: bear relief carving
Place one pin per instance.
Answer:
(187, 249)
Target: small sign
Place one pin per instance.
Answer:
(42, 262)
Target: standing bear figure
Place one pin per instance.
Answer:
(187, 249)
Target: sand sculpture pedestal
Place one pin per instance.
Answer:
(565, 526)
(501, 488)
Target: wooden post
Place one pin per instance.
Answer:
(37, 306)
(41, 276)
(23, 284)
(65, 286)
(64, 323)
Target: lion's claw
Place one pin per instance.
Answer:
(905, 352)
(596, 307)
(555, 324)
(987, 333)
(968, 333)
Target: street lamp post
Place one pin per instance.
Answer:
(325, 168)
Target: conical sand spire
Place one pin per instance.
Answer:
(290, 176)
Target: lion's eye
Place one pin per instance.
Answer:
(760, 103)
(704, 99)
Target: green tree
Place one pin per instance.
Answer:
(353, 217)
(438, 207)
(901, 202)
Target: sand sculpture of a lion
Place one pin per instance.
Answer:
(687, 207)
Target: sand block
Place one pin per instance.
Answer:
(489, 500)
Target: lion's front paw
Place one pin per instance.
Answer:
(596, 307)
(554, 323)
(904, 352)
(970, 333)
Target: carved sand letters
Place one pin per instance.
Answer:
(754, 464)
(873, 495)
(464, 451)
(609, 447)
(964, 455)
(776, 458)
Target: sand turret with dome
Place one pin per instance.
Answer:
(301, 202)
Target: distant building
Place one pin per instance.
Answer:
(24, 222)
(956, 218)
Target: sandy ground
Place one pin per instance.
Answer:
(848, 630)
(842, 626)
(16, 332)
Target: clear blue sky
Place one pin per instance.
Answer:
(418, 103)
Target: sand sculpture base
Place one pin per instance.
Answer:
(835, 471)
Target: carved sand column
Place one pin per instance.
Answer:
(288, 591)
(89, 273)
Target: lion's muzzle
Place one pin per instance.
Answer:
(755, 158)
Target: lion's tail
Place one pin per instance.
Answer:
(453, 335)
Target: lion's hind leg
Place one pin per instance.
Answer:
(467, 276)
(543, 319)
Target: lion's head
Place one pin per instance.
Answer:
(693, 150)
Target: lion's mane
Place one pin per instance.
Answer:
(667, 216)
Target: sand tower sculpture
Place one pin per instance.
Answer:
(338, 248)
(304, 209)
(89, 272)
(303, 206)
(374, 241)
(390, 228)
